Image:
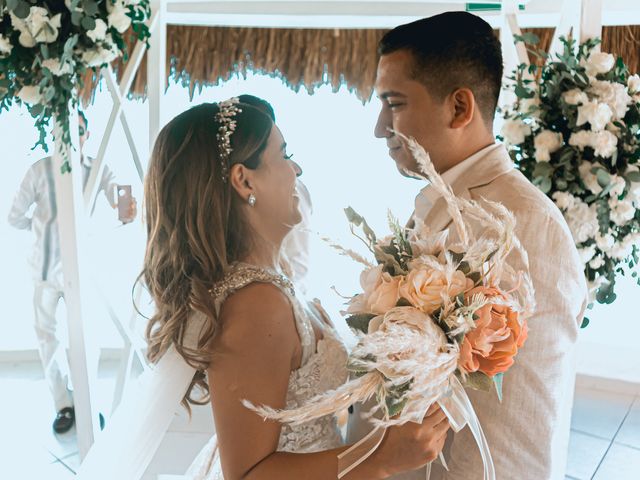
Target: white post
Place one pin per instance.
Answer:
(569, 23)
(591, 20)
(156, 69)
(71, 227)
(512, 54)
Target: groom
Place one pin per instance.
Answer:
(439, 79)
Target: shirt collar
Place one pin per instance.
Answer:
(455, 172)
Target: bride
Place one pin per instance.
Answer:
(220, 198)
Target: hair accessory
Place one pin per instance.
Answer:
(225, 117)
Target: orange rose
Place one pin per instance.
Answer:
(492, 344)
(425, 286)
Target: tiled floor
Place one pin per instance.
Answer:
(604, 445)
(605, 436)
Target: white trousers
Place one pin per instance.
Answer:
(45, 302)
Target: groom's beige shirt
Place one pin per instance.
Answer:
(528, 433)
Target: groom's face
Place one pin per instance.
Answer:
(408, 108)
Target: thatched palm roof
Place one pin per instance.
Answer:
(200, 56)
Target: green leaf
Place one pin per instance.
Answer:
(354, 218)
(633, 176)
(394, 406)
(605, 294)
(391, 264)
(356, 365)
(544, 184)
(76, 18)
(497, 380)
(12, 4)
(479, 381)
(523, 92)
(530, 38)
(360, 322)
(22, 10)
(90, 7)
(403, 302)
(543, 169)
(88, 23)
(603, 178)
(585, 322)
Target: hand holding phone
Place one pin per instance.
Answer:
(126, 204)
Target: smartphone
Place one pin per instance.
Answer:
(124, 202)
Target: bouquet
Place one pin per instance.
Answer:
(438, 311)
(47, 47)
(573, 131)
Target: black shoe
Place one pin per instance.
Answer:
(64, 420)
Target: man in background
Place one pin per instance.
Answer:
(37, 191)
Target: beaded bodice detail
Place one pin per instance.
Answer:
(323, 365)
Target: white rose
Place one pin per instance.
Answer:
(587, 253)
(634, 83)
(582, 221)
(545, 143)
(621, 250)
(37, 27)
(622, 211)
(598, 62)
(618, 186)
(613, 94)
(118, 17)
(27, 40)
(597, 262)
(604, 144)
(564, 200)
(515, 131)
(575, 97)
(581, 139)
(97, 57)
(588, 178)
(30, 94)
(5, 46)
(605, 242)
(597, 114)
(43, 28)
(53, 64)
(99, 32)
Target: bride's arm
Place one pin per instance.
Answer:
(253, 355)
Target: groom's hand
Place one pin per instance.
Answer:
(412, 445)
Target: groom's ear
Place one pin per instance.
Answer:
(463, 106)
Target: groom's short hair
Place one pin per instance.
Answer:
(452, 50)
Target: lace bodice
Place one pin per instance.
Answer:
(323, 368)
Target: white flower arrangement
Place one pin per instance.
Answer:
(47, 47)
(579, 142)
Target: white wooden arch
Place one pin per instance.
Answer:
(583, 16)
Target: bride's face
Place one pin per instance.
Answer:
(274, 183)
(407, 107)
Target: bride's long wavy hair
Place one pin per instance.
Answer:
(195, 227)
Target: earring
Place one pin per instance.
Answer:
(251, 200)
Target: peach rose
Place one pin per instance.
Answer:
(380, 292)
(424, 287)
(492, 344)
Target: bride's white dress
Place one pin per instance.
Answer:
(323, 368)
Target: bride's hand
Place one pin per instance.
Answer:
(412, 445)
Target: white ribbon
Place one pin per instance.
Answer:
(459, 411)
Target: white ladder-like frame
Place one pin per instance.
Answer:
(74, 205)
